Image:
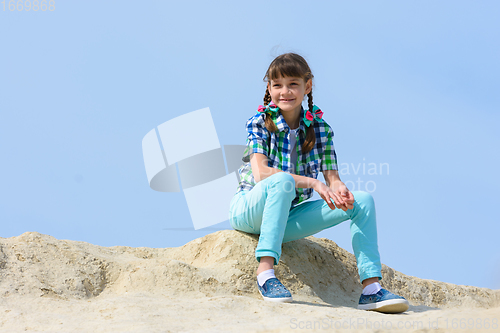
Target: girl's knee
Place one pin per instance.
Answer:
(282, 177)
(364, 207)
(363, 199)
(284, 181)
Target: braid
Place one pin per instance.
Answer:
(310, 100)
(310, 135)
(270, 125)
(267, 98)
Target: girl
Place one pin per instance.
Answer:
(287, 147)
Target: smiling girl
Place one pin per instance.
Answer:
(287, 147)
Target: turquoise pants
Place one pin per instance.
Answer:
(266, 210)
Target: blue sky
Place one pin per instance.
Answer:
(413, 85)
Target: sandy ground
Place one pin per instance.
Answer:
(208, 285)
(144, 312)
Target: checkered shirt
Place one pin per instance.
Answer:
(276, 146)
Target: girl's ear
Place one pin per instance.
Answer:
(308, 86)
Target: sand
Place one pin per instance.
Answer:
(208, 285)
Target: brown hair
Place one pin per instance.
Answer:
(290, 65)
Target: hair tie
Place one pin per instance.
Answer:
(270, 108)
(309, 117)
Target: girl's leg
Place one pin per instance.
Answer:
(310, 218)
(264, 210)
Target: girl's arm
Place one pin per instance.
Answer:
(261, 171)
(331, 176)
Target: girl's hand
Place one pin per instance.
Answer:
(328, 194)
(343, 193)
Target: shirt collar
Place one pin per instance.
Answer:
(280, 122)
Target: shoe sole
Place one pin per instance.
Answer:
(276, 299)
(389, 306)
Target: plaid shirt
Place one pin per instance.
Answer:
(276, 146)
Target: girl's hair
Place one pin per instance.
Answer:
(290, 65)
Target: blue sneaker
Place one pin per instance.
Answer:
(383, 301)
(273, 290)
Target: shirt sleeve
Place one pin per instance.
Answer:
(257, 136)
(329, 161)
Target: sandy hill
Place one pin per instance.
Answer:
(208, 284)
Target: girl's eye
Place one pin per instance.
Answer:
(276, 85)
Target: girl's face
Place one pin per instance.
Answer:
(289, 92)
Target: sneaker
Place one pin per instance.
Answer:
(383, 301)
(273, 290)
